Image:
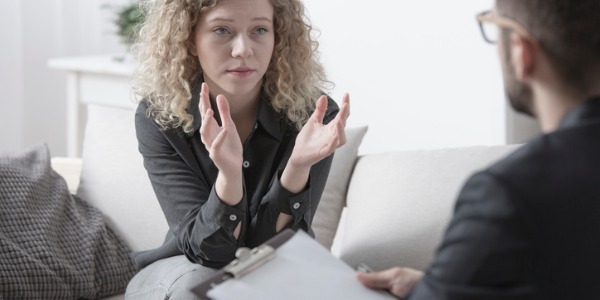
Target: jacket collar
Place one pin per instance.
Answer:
(267, 118)
(586, 111)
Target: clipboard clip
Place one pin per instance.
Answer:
(248, 260)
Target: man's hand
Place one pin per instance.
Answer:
(399, 281)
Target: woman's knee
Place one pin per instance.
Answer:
(169, 278)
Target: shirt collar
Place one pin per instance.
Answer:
(267, 117)
(587, 110)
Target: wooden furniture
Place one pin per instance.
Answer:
(93, 80)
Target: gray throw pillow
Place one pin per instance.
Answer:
(53, 245)
(332, 202)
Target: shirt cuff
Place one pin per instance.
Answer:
(295, 204)
(225, 216)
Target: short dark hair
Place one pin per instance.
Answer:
(568, 32)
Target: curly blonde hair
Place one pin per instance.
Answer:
(168, 70)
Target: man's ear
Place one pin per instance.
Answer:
(522, 55)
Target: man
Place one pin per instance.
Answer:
(528, 227)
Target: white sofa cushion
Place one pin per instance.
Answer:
(332, 203)
(70, 169)
(114, 180)
(400, 203)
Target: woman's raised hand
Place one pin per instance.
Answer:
(317, 140)
(222, 142)
(314, 142)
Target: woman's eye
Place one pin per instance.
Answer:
(221, 30)
(261, 31)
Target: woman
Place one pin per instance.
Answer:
(234, 140)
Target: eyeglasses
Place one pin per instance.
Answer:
(490, 24)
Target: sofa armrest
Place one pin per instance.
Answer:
(69, 169)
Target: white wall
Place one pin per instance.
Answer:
(11, 108)
(31, 32)
(418, 72)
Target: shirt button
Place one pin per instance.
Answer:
(246, 164)
(296, 205)
(255, 125)
(232, 217)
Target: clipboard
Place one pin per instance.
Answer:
(290, 265)
(242, 265)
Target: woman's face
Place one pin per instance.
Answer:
(234, 43)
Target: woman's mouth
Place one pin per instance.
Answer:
(241, 72)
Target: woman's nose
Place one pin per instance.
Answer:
(242, 47)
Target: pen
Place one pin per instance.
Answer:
(362, 267)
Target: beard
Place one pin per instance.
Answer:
(519, 94)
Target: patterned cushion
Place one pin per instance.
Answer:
(53, 245)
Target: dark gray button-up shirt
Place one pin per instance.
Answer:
(183, 176)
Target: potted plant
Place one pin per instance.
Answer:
(127, 19)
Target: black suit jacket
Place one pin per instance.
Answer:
(528, 227)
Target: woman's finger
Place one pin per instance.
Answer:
(204, 99)
(344, 112)
(320, 109)
(224, 112)
(341, 134)
(205, 130)
(219, 140)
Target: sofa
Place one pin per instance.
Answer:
(382, 209)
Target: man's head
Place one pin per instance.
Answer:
(566, 33)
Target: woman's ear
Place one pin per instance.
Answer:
(522, 55)
(191, 43)
(192, 47)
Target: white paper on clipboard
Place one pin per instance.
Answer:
(301, 269)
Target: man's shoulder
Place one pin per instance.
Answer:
(539, 159)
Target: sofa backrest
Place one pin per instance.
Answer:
(398, 204)
(114, 180)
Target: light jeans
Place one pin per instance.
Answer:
(170, 278)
